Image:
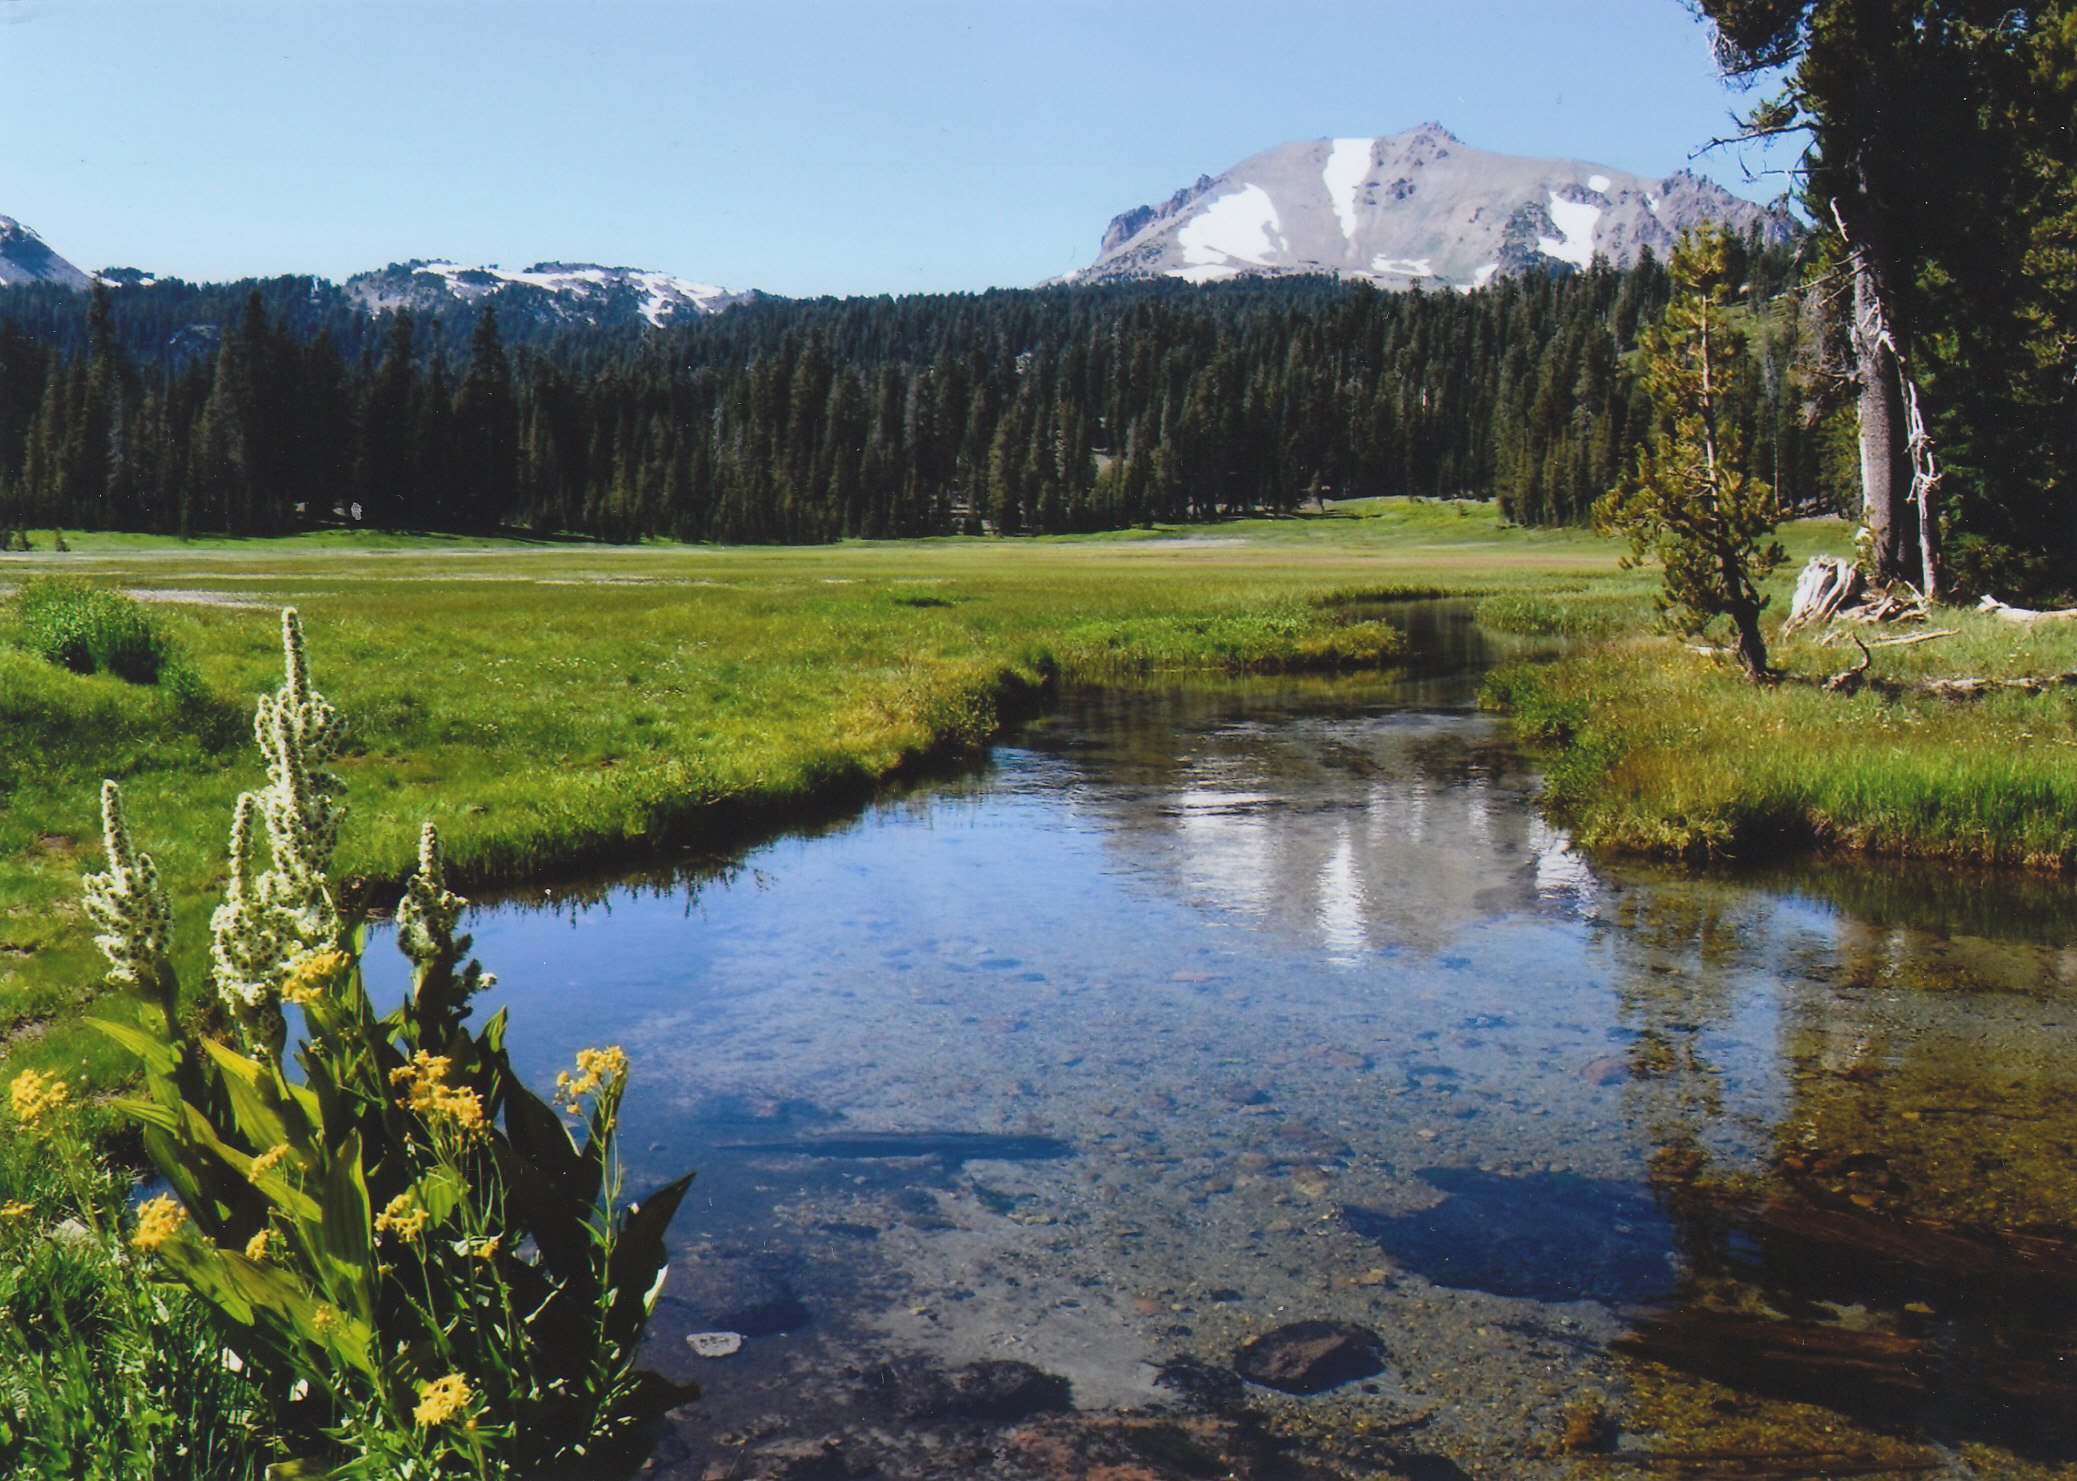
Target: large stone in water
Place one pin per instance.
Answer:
(995, 1392)
(1310, 1357)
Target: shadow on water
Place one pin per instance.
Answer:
(1542, 1237)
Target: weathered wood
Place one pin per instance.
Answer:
(1849, 681)
(1976, 688)
(1826, 585)
(1991, 606)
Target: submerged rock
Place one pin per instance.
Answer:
(997, 1392)
(1310, 1357)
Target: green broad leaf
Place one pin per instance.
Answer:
(170, 1154)
(157, 1056)
(441, 1191)
(639, 1253)
(265, 1288)
(232, 1061)
(202, 1266)
(147, 1112)
(561, 1228)
(348, 1230)
(539, 1136)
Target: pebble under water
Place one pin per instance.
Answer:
(1268, 1029)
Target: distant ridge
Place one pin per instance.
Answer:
(24, 258)
(1418, 208)
(581, 291)
(544, 295)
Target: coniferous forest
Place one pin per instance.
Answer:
(262, 408)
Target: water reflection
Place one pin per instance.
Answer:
(1205, 1012)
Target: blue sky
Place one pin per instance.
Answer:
(849, 146)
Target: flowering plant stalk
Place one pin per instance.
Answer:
(416, 1262)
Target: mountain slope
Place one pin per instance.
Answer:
(572, 291)
(25, 259)
(1418, 207)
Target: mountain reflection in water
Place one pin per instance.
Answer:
(1205, 1011)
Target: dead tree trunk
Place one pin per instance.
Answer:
(1900, 474)
(1884, 473)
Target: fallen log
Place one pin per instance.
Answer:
(2024, 1398)
(1991, 606)
(1974, 688)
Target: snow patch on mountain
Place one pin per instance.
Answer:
(1234, 228)
(1574, 220)
(1347, 163)
(580, 291)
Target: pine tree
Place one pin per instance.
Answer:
(1692, 501)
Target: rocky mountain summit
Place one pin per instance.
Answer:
(1418, 208)
(24, 258)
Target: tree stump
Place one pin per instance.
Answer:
(1827, 584)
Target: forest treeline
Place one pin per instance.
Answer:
(1047, 410)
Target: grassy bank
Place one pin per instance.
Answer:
(555, 706)
(1651, 747)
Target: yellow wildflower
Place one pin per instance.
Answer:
(440, 1400)
(14, 1208)
(256, 1247)
(463, 1107)
(157, 1219)
(424, 1072)
(266, 1162)
(326, 1318)
(310, 973)
(594, 1068)
(484, 1249)
(405, 1217)
(35, 1094)
(427, 1092)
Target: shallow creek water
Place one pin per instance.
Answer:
(1199, 1013)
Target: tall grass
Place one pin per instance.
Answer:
(1652, 747)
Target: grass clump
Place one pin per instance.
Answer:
(92, 629)
(1281, 639)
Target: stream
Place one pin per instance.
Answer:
(1270, 1026)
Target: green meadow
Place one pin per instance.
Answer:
(560, 708)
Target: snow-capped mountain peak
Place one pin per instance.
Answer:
(578, 290)
(1421, 207)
